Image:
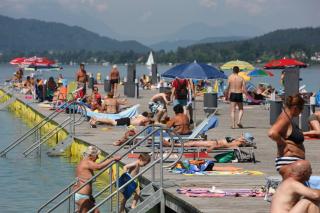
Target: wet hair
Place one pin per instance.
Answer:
(144, 157)
(236, 69)
(295, 100)
(145, 114)
(178, 108)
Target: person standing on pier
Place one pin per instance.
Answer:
(114, 80)
(235, 90)
(82, 79)
(84, 172)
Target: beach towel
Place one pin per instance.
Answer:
(309, 138)
(128, 113)
(214, 192)
(215, 173)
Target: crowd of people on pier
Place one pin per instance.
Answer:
(291, 196)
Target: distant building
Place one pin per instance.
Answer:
(315, 57)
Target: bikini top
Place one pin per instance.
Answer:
(296, 135)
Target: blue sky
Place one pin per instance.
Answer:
(154, 18)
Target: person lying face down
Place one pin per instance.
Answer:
(139, 120)
(227, 142)
(292, 195)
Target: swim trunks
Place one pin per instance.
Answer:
(123, 121)
(236, 97)
(114, 81)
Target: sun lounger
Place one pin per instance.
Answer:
(128, 113)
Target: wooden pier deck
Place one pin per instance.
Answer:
(255, 121)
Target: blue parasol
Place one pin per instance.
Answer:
(194, 71)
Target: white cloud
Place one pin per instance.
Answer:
(253, 7)
(208, 3)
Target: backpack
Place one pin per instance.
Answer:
(182, 91)
(318, 99)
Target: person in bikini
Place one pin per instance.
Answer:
(139, 120)
(314, 123)
(234, 93)
(287, 134)
(227, 142)
(84, 172)
(292, 195)
(114, 80)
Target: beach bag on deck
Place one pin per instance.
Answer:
(225, 157)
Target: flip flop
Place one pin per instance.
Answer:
(240, 126)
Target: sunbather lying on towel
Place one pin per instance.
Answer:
(227, 142)
(139, 120)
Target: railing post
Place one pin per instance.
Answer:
(69, 200)
(117, 176)
(110, 189)
(162, 201)
(153, 157)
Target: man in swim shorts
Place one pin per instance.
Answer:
(84, 172)
(234, 93)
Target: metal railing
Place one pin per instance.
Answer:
(160, 160)
(36, 130)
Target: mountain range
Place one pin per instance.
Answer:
(26, 35)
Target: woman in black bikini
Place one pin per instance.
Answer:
(287, 134)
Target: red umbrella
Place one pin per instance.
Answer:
(38, 61)
(284, 63)
(16, 61)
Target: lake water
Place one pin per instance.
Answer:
(309, 75)
(26, 183)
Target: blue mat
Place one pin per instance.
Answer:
(128, 113)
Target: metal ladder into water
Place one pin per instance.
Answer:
(71, 120)
(151, 195)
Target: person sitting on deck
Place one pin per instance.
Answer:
(227, 142)
(111, 105)
(180, 122)
(139, 120)
(292, 195)
(96, 95)
(145, 82)
(314, 124)
(84, 172)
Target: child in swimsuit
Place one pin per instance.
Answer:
(130, 171)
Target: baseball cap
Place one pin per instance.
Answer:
(248, 137)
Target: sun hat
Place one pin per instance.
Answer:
(248, 137)
(92, 150)
(114, 66)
